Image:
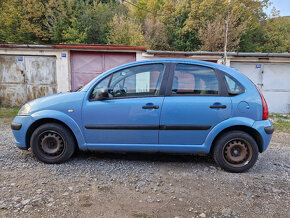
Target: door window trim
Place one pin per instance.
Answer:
(223, 75)
(221, 85)
(163, 83)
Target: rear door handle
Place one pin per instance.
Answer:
(218, 106)
(150, 107)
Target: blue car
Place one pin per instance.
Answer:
(167, 105)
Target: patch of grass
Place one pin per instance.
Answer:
(281, 122)
(8, 113)
(103, 188)
(142, 215)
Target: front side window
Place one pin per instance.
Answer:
(144, 80)
(194, 80)
(100, 86)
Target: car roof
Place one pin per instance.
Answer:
(229, 70)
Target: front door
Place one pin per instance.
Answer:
(131, 114)
(193, 106)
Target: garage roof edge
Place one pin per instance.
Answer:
(203, 53)
(80, 46)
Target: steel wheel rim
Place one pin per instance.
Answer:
(51, 144)
(237, 152)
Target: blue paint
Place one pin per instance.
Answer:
(173, 110)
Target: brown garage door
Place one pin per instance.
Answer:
(87, 65)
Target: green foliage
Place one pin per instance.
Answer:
(7, 114)
(124, 31)
(281, 122)
(184, 25)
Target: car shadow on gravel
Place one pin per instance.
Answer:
(145, 157)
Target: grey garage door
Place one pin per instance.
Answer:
(24, 78)
(273, 79)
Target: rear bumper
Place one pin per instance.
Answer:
(269, 129)
(266, 129)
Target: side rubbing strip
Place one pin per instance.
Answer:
(128, 127)
(187, 127)
(149, 127)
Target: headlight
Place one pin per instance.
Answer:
(24, 110)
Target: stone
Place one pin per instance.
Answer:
(24, 202)
(202, 215)
(27, 208)
(226, 212)
(65, 194)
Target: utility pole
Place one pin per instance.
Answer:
(226, 42)
(226, 38)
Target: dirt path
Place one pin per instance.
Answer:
(142, 185)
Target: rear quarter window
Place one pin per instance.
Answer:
(233, 86)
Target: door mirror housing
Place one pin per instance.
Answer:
(103, 94)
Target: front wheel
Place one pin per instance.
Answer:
(236, 151)
(52, 143)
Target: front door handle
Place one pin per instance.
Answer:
(150, 107)
(218, 106)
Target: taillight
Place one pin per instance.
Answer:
(265, 106)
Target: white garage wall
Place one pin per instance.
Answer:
(273, 79)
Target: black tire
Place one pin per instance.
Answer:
(52, 143)
(235, 151)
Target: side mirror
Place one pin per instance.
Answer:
(103, 94)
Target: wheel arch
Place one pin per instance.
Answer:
(252, 132)
(42, 121)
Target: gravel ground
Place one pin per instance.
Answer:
(142, 185)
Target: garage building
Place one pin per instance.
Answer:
(29, 71)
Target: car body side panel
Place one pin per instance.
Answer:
(191, 110)
(200, 149)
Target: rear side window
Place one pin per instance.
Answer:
(234, 88)
(194, 80)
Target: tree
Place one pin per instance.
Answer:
(125, 31)
(22, 21)
(215, 31)
(276, 37)
(209, 16)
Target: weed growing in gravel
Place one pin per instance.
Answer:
(8, 113)
(142, 215)
(281, 122)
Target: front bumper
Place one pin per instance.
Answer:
(266, 129)
(20, 126)
(16, 126)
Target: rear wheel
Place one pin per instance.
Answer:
(52, 143)
(236, 151)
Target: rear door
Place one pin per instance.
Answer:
(194, 104)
